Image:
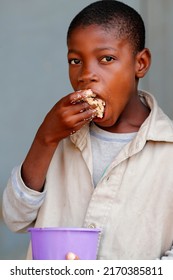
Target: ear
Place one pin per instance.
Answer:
(143, 61)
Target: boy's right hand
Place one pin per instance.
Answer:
(66, 117)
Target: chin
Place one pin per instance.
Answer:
(104, 123)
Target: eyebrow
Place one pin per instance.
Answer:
(97, 49)
(107, 48)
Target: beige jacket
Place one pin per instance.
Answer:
(132, 203)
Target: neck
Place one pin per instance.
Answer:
(131, 118)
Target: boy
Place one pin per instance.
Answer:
(110, 172)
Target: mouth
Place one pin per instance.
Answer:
(96, 103)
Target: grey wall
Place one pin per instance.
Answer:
(34, 75)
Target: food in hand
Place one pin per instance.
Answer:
(96, 103)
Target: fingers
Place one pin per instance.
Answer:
(79, 107)
(83, 118)
(87, 118)
(71, 256)
(77, 96)
(77, 115)
(73, 104)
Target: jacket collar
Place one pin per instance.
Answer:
(158, 126)
(80, 137)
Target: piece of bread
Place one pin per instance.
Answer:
(96, 103)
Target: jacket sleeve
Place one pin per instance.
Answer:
(168, 255)
(20, 204)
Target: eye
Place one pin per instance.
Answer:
(74, 61)
(107, 58)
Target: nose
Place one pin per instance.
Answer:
(87, 75)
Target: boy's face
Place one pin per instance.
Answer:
(106, 65)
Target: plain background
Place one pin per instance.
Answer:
(34, 76)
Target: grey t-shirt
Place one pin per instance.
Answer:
(105, 147)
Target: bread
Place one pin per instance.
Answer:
(96, 103)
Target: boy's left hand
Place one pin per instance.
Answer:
(71, 256)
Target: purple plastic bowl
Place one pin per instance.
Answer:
(54, 243)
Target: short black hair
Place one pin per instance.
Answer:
(111, 14)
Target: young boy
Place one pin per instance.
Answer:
(111, 172)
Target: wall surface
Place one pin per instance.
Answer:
(34, 75)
